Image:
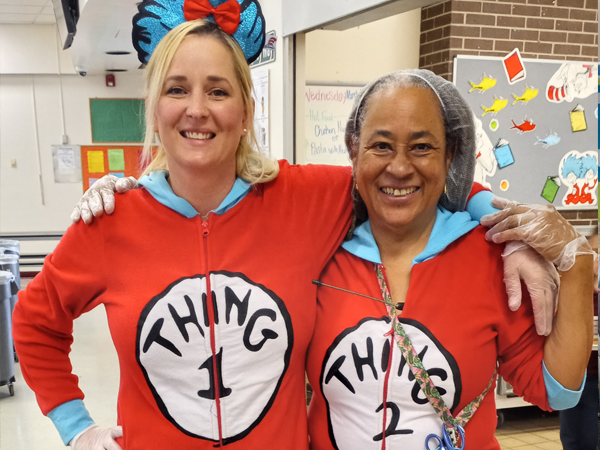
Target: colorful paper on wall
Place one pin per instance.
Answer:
(118, 174)
(95, 161)
(93, 180)
(578, 122)
(116, 159)
(514, 67)
(551, 188)
(504, 154)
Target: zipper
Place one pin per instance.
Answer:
(211, 319)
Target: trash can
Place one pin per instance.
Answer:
(10, 262)
(7, 363)
(10, 247)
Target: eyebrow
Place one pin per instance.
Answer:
(211, 78)
(384, 133)
(419, 134)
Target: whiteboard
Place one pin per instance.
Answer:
(326, 111)
(538, 150)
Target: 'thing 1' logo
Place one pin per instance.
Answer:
(254, 340)
(353, 379)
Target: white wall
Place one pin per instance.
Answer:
(360, 54)
(272, 12)
(21, 208)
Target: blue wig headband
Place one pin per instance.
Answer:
(242, 19)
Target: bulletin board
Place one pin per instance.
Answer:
(537, 124)
(326, 112)
(117, 119)
(121, 161)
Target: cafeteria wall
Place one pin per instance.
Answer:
(540, 29)
(39, 92)
(42, 98)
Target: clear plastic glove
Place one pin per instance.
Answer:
(97, 438)
(101, 197)
(541, 227)
(521, 262)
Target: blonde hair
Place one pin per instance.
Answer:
(251, 165)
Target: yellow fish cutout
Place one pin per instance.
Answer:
(487, 83)
(529, 94)
(499, 104)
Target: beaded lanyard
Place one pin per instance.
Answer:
(420, 373)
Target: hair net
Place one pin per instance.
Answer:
(458, 123)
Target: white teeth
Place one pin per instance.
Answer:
(399, 192)
(201, 136)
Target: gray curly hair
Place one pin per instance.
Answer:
(458, 124)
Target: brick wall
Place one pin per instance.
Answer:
(541, 29)
(545, 29)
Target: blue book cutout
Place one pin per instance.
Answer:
(504, 154)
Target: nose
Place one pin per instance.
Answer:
(197, 106)
(401, 164)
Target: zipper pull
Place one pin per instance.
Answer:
(204, 228)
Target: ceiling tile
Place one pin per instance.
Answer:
(45, 19)
(24, 2)
(15, 9)
(17, 18)
(48, 10)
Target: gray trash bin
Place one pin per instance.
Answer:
(7, 362)
(10, 247)
(11, 263)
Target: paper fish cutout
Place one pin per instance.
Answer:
(526, 126)
(529, 94)
(578, 122)
(503, 154)
(514, 67)
(499, 104)
(551, 188)
(572, 81)
(487, 83)
(548, 141)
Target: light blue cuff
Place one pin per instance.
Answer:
(481, 204)
(560, 397)
(70, 418)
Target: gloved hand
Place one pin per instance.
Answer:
(100, 197)
(521, 262)
(97, 438)
(541, 227)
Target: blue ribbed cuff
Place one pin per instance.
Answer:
(560, 397)
(481, 204)
(70, 418)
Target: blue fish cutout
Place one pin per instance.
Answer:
(550, 140)
(157, 17)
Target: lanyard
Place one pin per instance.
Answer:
(451, 423)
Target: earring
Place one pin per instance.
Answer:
(445, 189)
(356, 186)
(245, 131)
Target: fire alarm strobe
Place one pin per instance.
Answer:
(110, 80)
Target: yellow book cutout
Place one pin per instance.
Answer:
(95, 161)
(578, 122)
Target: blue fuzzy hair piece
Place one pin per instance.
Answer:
(157, 17)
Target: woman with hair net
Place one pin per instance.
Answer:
(412, 323)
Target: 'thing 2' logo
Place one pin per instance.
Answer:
(254, 340)
(353, 377)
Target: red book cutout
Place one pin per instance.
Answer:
(514, 67)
